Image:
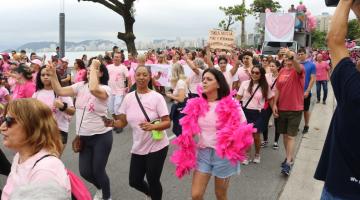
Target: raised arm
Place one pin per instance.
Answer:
(94, 85)
(61, 91)
(337, 32)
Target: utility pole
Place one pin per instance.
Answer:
(62, 29)
(243, 29)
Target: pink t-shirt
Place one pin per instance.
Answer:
(5, 66)
(301, 8)
(49, 169)
(243, 75)
(290, 85)
(118, 76)
(132, 72)
(89, 110)
(322, 71)
(229, 78)
(25, 90)
(3, 93)
(79, 76)
(207, 124)
(271, 79)
(48, 97)
(258, 101)
(34, 74)
(155, 107)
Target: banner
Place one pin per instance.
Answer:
(221, 39)
(165, 71)
(279, 27)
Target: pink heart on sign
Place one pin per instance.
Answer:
(279, 25)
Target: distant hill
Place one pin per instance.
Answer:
(87, 45)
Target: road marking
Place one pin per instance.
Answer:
(172, 137)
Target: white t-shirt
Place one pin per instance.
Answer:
(90, 109)
(195, 80)
(155, 107)
(181, 84)
(258, 101)
(228, 68)
(48, 97)
(117, 78)
(49, 169)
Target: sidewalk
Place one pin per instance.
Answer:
(301, 184)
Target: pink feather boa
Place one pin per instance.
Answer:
(233, 138)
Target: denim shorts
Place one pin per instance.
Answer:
(326, 195)
(115, 103)
(209, 163)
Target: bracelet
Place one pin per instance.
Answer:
(64, 107)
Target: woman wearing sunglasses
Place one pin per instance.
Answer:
(30, 130)
(253, 94)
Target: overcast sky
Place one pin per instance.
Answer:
(37, 20)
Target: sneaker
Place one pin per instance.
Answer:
(324, 102)
(264, 144)
(256, 159)
(283, 163)
(286, 169)
(245, 162)
(275, 145)
(318, 101)
(98, 195)
(306, 129)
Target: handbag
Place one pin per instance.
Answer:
(156, 135)
(77, 144)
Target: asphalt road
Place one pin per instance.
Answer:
(255, 182)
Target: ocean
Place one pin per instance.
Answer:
(72, 55)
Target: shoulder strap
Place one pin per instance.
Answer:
(45, 156)
(272, 86)
(142, 107)
(252, 96)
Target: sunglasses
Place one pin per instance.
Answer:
(9, 121)
(256, 73)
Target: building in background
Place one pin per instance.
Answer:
(323, 22)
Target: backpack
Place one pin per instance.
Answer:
(79, 191)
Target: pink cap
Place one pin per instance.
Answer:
(36, 62)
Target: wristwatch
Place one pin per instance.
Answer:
(64, 107)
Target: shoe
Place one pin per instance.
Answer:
(306, 129)
(283, 163)
(256, 159)
(264, 144)
(275, 145)
(324, 102)
(286, 169)
(318, 101)
(98, 195)
(245, 162)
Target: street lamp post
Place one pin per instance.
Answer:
(62, 29)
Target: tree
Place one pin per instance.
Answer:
(235, 13)
(259, 6)
(226, 23)
(318, 39)
(353, 30)
(124, 8)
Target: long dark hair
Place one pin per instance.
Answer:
(39, 84)
(224, 89)
(264, 86)
(104, 79)
(80, 63)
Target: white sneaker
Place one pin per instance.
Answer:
(245, 162)
(98, 195)
(256, 159)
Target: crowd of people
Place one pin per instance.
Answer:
(266, 87)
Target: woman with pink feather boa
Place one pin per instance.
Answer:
(224, 136)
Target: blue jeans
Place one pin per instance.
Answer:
(328, 196)
(318, 89)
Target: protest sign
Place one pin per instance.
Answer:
(165, 71)
(221, 39)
